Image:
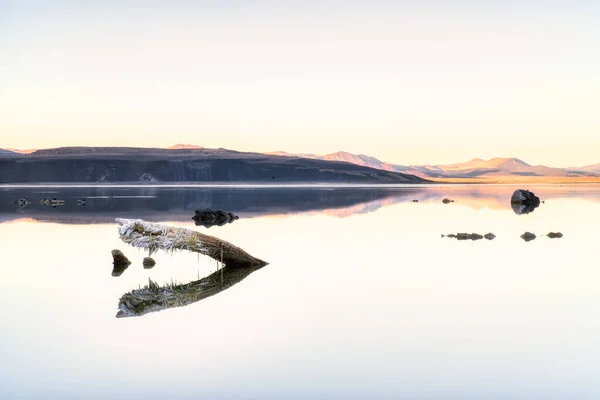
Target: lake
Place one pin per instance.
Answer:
(362, 297)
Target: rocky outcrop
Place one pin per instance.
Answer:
(470, 236)
(554, 235)
(23, 203)
(120, 262)
(528, 236)
(524, 201)
(207, 217)
(148, 262)
(52, 202)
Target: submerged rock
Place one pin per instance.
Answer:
(523, 201)
(528, 236)
(554, 235)
(52, 202)
(120, 262)
(148, 262)
(447, 200)
(465, 236)
(23, 203)
(489, 236)
(207, 217)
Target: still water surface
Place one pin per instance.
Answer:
(362, 297)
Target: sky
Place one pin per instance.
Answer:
(409, 82)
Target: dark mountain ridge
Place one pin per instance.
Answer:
(130, 164)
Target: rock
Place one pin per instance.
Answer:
(208, 217)
(52, 202)
(447, 200)
(489, 236)
(465, 236)
(524, 201)
(528, 236)
(120, 262)
(554, 235)
(148, 262)
(23, 203)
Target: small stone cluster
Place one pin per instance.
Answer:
(207, 217)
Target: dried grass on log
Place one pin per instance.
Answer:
(153, 237)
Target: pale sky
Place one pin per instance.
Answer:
(409, 82)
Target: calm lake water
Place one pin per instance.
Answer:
(362, 297)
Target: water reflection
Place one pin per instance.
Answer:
(152, 297)
(103, 205)
(374, 306)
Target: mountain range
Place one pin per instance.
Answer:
(477, 169)
(182, 163)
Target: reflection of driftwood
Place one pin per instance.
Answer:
(151, 236)
(156, 298)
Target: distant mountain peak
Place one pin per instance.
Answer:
(185, 146)
(505, 161)
(7, 152)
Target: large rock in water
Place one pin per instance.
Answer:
(208, 217)
(524, 201)
(120, 262)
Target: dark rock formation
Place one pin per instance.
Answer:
(528, 236)
(207, 217)
(465, 236)
(148, 262)
(23, 203)
(447, 200)
(120, 262)
(554, 235)
(524, 201)
(52, 202)
(489, 236)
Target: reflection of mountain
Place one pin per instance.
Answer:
(104, 204)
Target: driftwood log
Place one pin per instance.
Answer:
(153, 237)
(153, 297)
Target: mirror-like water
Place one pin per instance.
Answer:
(362, 296)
